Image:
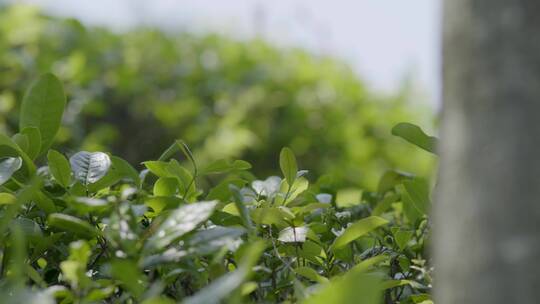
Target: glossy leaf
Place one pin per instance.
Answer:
(89, 167)
(181, 221)
(8, 166)
(8, 148)
(293, 235)
(118, 171)
(210, 240)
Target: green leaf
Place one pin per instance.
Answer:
(42, 107)
(415, 197)
(127, 272)
(348, 197)
(395, 283)
(311, 274)
(165, 186)
(300, 185)
(390, 179)
(369, 263)
(270, 216)
(119, 169)
(186, 181)
(181, 221)
(23, 196)
(225, 166)
(74, 268)
(22, 141)
(124, 170)
(8, 148)
(85, 205)
(8, 166)
(402, 237)
(59, 168)
(353, 287)
(241, 207)
(158, 168)
(89, 167)
(212, 240)
(71, 224)
(385, 204)
(221, 288)
(7, 199)
(44, 202)
(160, 203)
(293, 235)
(415, 135)
(287, 163)
(357, 230)
(29, 227)
(34, 141)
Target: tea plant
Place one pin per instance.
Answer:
(90, 228)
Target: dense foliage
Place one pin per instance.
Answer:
(227, 98)
(89, 228)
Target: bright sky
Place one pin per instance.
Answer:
(384, 40)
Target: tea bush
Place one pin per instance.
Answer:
(246, 97)
(89, 228)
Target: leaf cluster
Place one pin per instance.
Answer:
(89, 228)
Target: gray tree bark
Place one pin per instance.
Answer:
(487, 212)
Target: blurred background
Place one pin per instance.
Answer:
(239, 79)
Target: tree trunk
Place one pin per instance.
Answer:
(487, 212)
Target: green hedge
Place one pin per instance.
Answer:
(87, 227)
